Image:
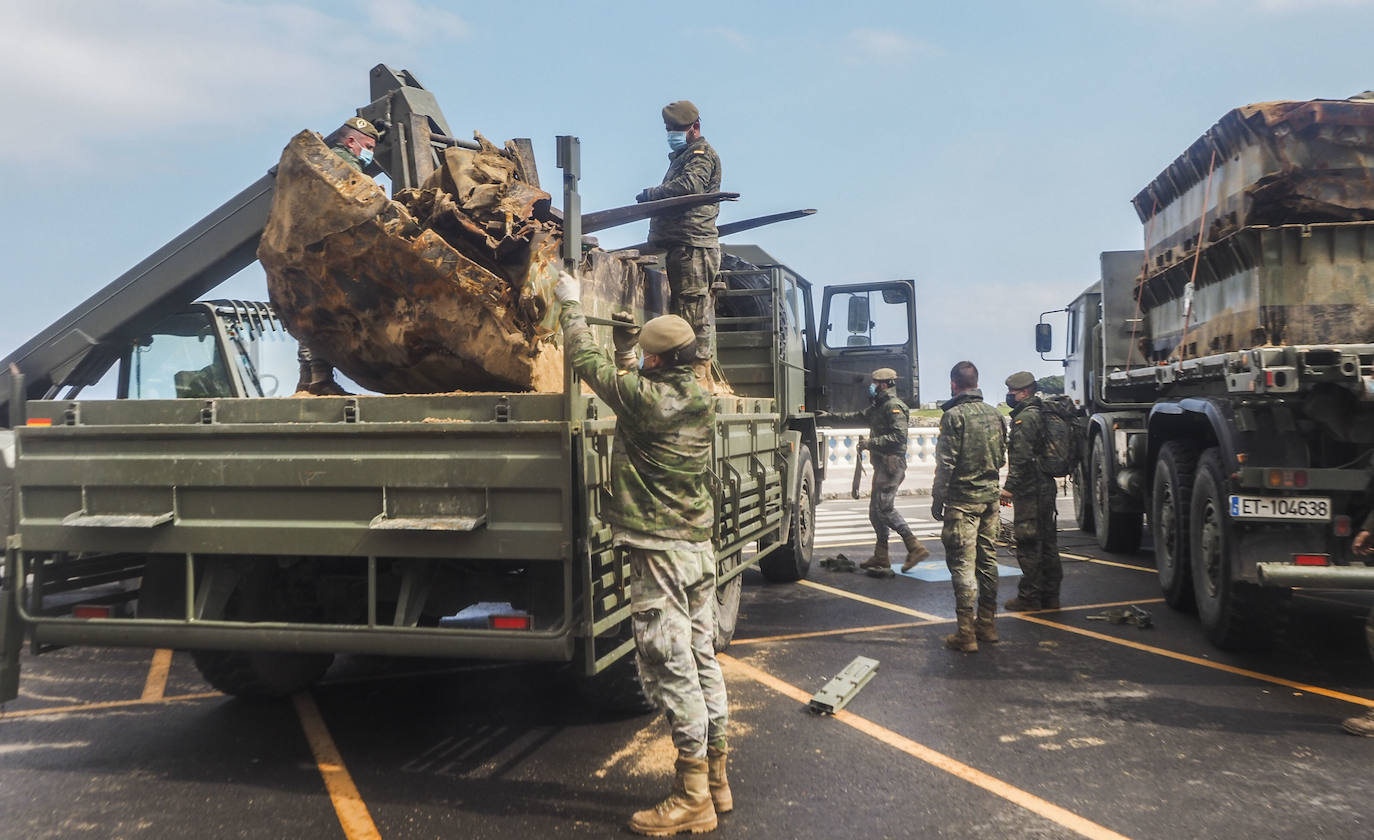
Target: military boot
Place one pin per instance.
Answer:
(720, 785)
(915, 552)
(687, 808)
(1022, 603)
(1049, 602)
(966, 639)
(984, 628)
(880, 564)
(1360, 724)
(303, 378)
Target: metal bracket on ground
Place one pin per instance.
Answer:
(839, 691)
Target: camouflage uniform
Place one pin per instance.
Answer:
(661, 511)
(887, 420)
(971, 451)
(1033, 495)
(693, 250)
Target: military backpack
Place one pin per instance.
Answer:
(1063, 436)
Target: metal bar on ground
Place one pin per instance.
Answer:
(846, 684)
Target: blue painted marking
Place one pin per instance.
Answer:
(936, 570)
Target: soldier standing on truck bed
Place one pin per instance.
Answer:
(689, 236)
(354, 142)
(971, 452)
(887, 419)
(1032, 492)
(661, 513)
(1363, 546)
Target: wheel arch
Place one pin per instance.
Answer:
(1207, 421)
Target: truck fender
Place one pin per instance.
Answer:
(1206, 420)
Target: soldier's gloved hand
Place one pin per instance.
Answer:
(642, 197)
(937, 510)
(1005, 496)
(626, 338)
(568, 288)
(861, 445)
(1363, 545)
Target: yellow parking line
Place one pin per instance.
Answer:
(1086, 559)
(1061, 816)
(348, 803)
(156, 684)
(866, 600)
(1194, 660)
(1074, 607)
(816, 634)
(113, 704)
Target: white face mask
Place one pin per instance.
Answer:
(365, 155)
(677, 140)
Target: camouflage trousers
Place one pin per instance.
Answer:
(969, 537)
(1037, 543)
(888, 472)
(673, 596)
(691, 271)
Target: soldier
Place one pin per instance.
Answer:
(887, 419)
(662, 515)
(1363, 546)
(1032, 492)
(971, 451)
(354, 142)
(689, 236)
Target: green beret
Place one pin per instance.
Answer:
(1021, 379)
(679, 115)
(361, 126)
(884, 375)
(665, 333)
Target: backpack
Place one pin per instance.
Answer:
(1063, 436)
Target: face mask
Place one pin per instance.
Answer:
(677, 140)
(1011, 400)
(872, 390)
(365, 156)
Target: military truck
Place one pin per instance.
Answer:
(1226, 371)
(194, 510)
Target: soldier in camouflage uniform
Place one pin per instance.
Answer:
(692, 257)
(1363, 546)
(354, 142)
(887, 419)
(971, 451)
(1032, 493)
(662, 515)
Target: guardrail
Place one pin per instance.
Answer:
(838, 446)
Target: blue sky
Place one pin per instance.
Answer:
(988, 150)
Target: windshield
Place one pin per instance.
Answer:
(182, 360)
(264, 358)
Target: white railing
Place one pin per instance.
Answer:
(837, 445)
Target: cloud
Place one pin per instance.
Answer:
(885, 46)
(733, 37)
(1187, 8)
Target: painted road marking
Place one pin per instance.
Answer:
(866, 600)
(1206, 663)
(348, 803)
(1086, 559)
(112, 704)
(816, 634)
(1043, 808)
(156, 685)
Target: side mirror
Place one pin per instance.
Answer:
(1044, 338)
(858, 314)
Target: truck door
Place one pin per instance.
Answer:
(864, 327)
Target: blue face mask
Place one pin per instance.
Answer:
(365, 156)
(677, 140)
(872, 390)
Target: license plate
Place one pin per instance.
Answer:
(1302, 508)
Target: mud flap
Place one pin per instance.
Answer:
(11, 633)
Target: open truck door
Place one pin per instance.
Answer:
(864, 327)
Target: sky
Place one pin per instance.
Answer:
(987, 150)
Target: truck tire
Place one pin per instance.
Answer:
(1082, 500)
(727, 611)
(1117, 531)
(1170, 508)
(1234, 615)
(792, 561)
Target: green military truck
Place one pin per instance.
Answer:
(190, 508)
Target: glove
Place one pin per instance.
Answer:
(1363, 545)
(642, 197)
(569, 288)
(862, 444)
(626, 338)
(937, 510)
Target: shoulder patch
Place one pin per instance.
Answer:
(698, 151)
(622, 372)
(896, 411)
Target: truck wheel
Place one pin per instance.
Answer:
(727, 611)
(1232, 613)
(1117, 531)
(1171, 504)
(1082, 500)
(792, 561)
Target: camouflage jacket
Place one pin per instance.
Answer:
(1025, 442)
(971, 451)
(661, 453)
(693, 171)
(348, 157)
(887, 420)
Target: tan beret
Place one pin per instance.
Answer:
(1020, 379)
(884, 375)
(665, 333)
(361, 126)
(679, 115)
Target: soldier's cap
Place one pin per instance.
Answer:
(884, 375)
(666, 333)
(1020, 379)
(361, 126)
(679, 115)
